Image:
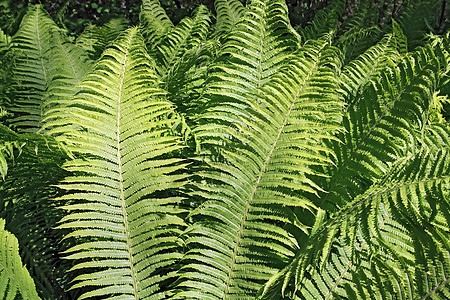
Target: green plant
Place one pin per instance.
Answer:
(14, 277)
(241, 159)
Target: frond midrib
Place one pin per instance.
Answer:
(374, 67)
(72, 65)
(120, 177)
(180, 46)
(41, 55)
(436, 289)
(261, 173)
(336, 176)
(376, 193)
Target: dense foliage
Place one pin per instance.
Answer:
(228, 156)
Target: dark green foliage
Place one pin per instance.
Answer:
(31, 76)
(226, 154)
(27, 206)
(6, 81)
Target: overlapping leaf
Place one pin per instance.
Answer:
(262, 133)
(120, 127)
(399, 225)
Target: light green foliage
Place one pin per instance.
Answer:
(14, 277)
(228, 156)
(6, 152)
(118, 183)
(368, 66)
(382, 219)
(4, 41)
(182, 56)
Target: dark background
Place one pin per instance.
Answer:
(74, 15)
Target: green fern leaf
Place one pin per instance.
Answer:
(125, 228)
(90, 40)
(188, 34)
(258, 129)
(70, 64)
(94, 39)
(369, 65)
(5, 42)
(434, 137)
(154, 22)
(33, 163)
(32, 44)
(186, 82)
(399, 226)
(324, 22)
(229, 12)
(253, 53)
(6, 153)
(379, 125)
(14, 277)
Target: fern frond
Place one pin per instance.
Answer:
(60, 14)
(377, 276)
(359, 31)
(94, 39)
(188, 34)
(154, 22)
(254, 52)
(401, 98)
(90, 41)
(354, 43)
(441, 46)
(14, 276)
(120, 206)
(183, 58)
(324, 22)
(32, 44)
(369, 65)
(186, 82)
(417, 19)
(112, 29)
(5, 42)
(341, 278)
(33, 164)
(70, 64)
(378, 125)
(435, 136)
(259, 133)
(7, 147)
(228, 14)
(400, 224)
